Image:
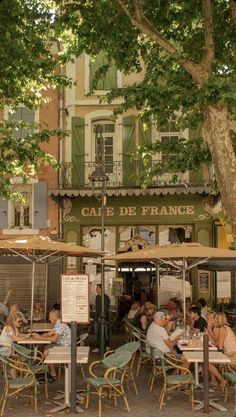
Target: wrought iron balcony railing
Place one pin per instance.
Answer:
(129, 174)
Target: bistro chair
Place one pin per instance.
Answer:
(81, 342)
(131, 347)
(108, 379)
(230, 376)
(18, 385)
(175, 381)
(35, 363)
(144, 356)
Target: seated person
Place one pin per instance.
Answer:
(157, 336)
(145, 316)
(10, 334)
(38, 312)
(60, 335)
(134, 310)
(57, 305)
(199, 324)
(15, 308)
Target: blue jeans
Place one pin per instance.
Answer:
(97, 333)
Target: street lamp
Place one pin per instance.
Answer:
(99, 180)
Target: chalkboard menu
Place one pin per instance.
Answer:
(204, 281)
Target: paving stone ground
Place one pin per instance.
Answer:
(143, 405)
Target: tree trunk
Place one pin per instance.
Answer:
(216, 133)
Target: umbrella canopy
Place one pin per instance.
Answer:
(223, 265)
(193, 253)
(182, 256)
(35, 249)
(37, 246)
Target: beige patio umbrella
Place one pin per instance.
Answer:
(183, 257)
(41, 249)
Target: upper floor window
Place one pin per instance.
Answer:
(21, 210)
(106, 81)
(30, 212)
(170, 136)
(107, 129)
(22, 114)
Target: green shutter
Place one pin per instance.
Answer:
(40, 205)
(3, 213)
(129, 166)
(110, 80)
(196, 176)
(145, 138)
(78, 152)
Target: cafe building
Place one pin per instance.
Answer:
(169, 210)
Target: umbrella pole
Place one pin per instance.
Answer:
(184, 290)
(158, 287)
(32, 295)
(46, 290)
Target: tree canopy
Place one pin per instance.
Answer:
(28, 68)
(187, 51)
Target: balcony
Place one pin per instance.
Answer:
(128, 174)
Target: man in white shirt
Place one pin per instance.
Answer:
(157, 335)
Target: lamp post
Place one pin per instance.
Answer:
(99, 180)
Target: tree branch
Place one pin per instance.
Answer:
(138, 20)
(209, 55)
(232, 5)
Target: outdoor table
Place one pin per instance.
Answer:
(196, 358)
(186, 347)
(42, 327)
(33, 342)
(55, 357)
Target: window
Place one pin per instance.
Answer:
(107, 81)
(107, 130)
(28, 213)
(148, 233)
(22, 114)
(171, 135)
(21, 210)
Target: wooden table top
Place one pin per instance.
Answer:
(214, 357)
(32, 341)
(67, 349)
(65, 358)
(42, 327)
(186, 347)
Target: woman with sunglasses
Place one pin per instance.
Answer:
(11, 333)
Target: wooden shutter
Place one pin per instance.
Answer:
(129, 167)
(3, 213)
(40, 205)
(110, 80)
(145, 138)
(78, 152)
(24, 114)
(196, 176)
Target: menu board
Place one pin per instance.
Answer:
(75, 298)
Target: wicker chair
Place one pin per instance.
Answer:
(108, 379)
(20, 384)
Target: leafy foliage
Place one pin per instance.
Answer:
(167, 92)
(28, 69)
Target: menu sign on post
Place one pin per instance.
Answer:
(75, 298)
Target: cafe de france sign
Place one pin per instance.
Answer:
(176, 210)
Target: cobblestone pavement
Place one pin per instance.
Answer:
(143, 405)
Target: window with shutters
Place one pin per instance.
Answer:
(20, 210)
(28, 214)
(107, 129)
(108, 80)
(22, 114)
